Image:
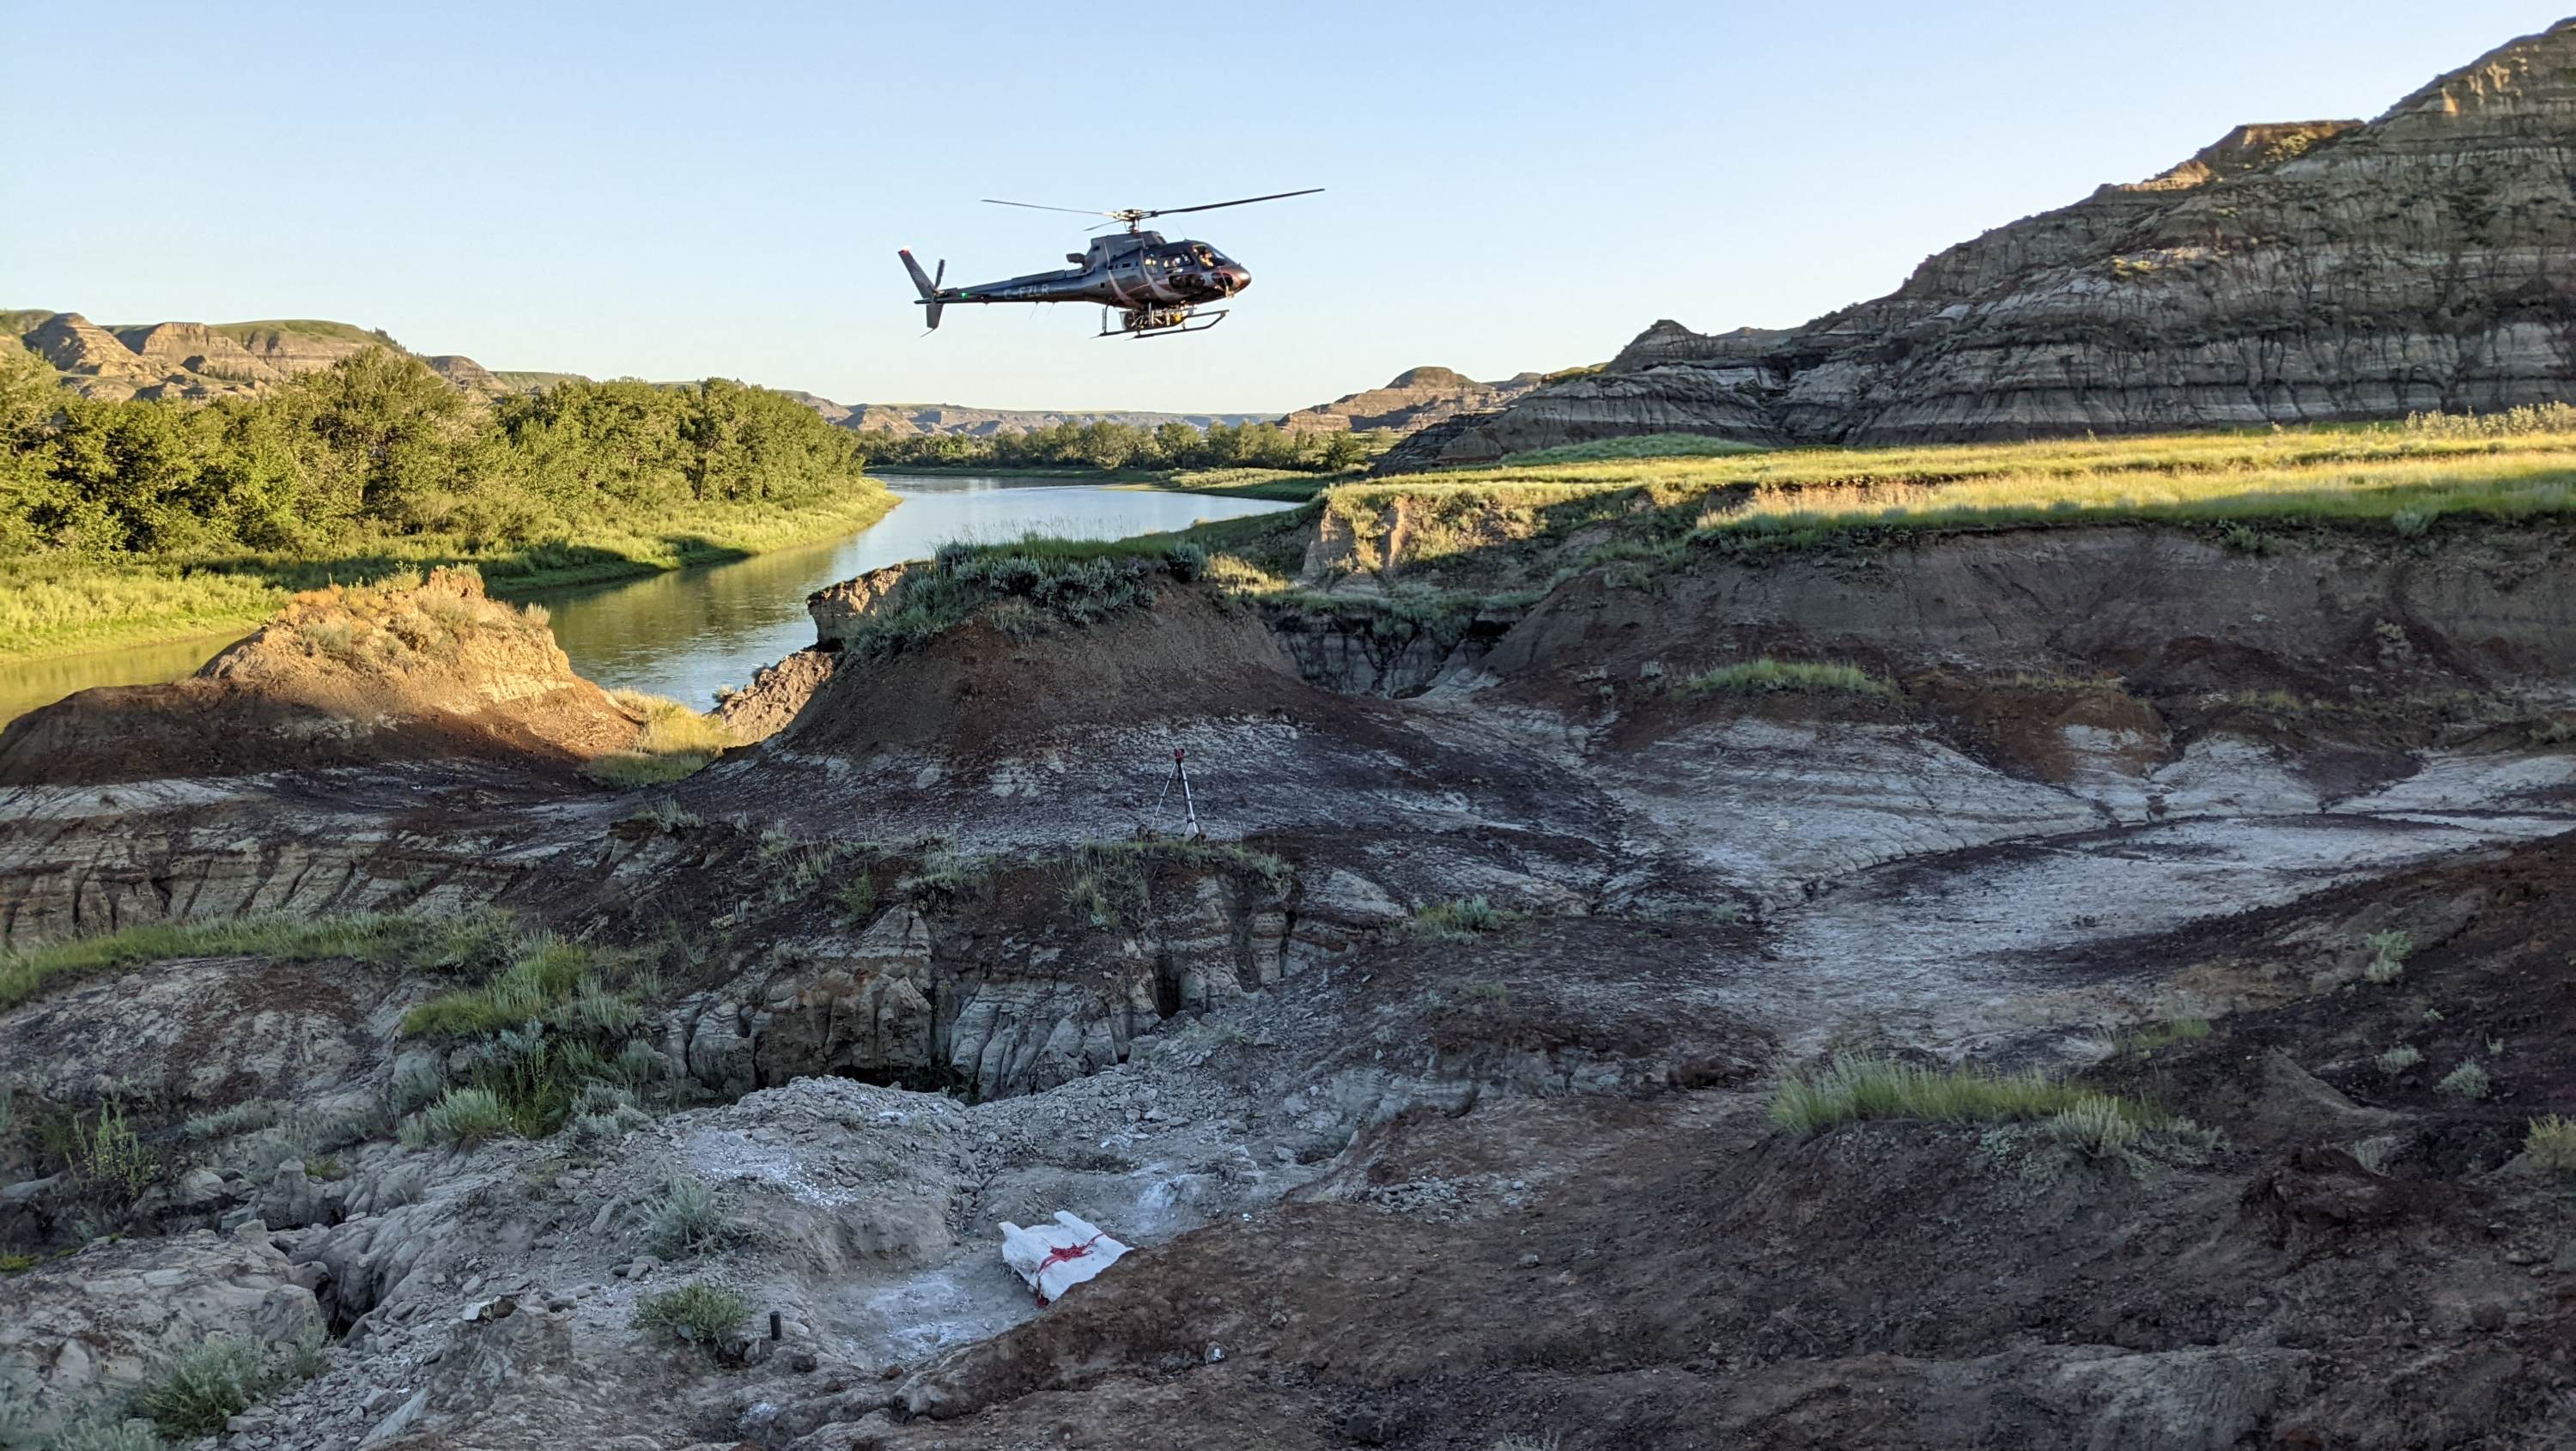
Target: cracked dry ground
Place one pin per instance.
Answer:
(1391, 1188)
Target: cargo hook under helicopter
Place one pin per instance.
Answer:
(1152, 286)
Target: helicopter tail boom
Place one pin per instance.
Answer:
(928, 288)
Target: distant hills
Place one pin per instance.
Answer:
(1417, 398)
(199, 362)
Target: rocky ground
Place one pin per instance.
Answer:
(2127, 808)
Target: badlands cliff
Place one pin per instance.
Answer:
(2317, 271)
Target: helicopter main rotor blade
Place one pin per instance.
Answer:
(1212, 206)
(1036, 207)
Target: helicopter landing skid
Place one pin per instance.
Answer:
(1145, 323)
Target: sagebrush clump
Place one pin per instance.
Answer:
(686, 1221)
(2388, 954)
(1461, 919)
(195, 1392)
(2551, 1143)
(695, 1314)
(2469, 1080)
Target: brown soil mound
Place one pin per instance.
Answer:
(339, 677)
(1009, 679)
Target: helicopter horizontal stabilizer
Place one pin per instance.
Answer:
(922, 282)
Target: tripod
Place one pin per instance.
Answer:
(1190, 828)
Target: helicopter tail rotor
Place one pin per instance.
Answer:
(927, 286)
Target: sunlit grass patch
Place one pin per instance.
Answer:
(672, 741)
(1641, 446)
(1766, 674)
(1856, 1087)
(375, 937)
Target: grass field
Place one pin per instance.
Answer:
(1517, 524)
(62, 605)
(2507, 466)
(1465, 539)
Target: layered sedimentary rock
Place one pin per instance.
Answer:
(2310, 272)
(1415, 399)
(198, 361)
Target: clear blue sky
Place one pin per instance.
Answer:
(676, 191)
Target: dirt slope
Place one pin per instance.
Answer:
(983, 690)
(339, 677)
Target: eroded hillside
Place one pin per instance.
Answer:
(2299, 273)
(1941, 984)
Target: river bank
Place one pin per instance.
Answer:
(734, 602)
(1287, 486)
(53, 608)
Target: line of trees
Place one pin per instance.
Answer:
(1112, 446)
(378, 447)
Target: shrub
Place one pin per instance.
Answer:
(697, 1314)
(2388, 954)
(2400, 1058)
(855, 900)
(1767, 674)
(240, 1118)
(1857, 1087)
(2098, 1127)
(100, 1431)
(194, 1392)
(1187, 561)
(667, 817)
(417, 1082)
(1458, 920)
(2245, 539)
(465, 1116)
(639, 1065)
(945, 869)
(2373, 1153)
(109, 1158)
(16, 1264)
(548, 972)
(2170, 1031)
(602, 1114)
(2469, 1080)
(687, 1221)
(2551, 1143)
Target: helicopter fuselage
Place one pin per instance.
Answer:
(1132, 271)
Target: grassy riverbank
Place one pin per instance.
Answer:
(128, 522)
(53, 605)
(1463, 539)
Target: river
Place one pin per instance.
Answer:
(689, 632)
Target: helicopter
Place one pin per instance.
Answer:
(1153, 287)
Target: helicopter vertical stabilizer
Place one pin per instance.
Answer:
(928, 288)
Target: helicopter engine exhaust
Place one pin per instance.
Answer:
(929, 288)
